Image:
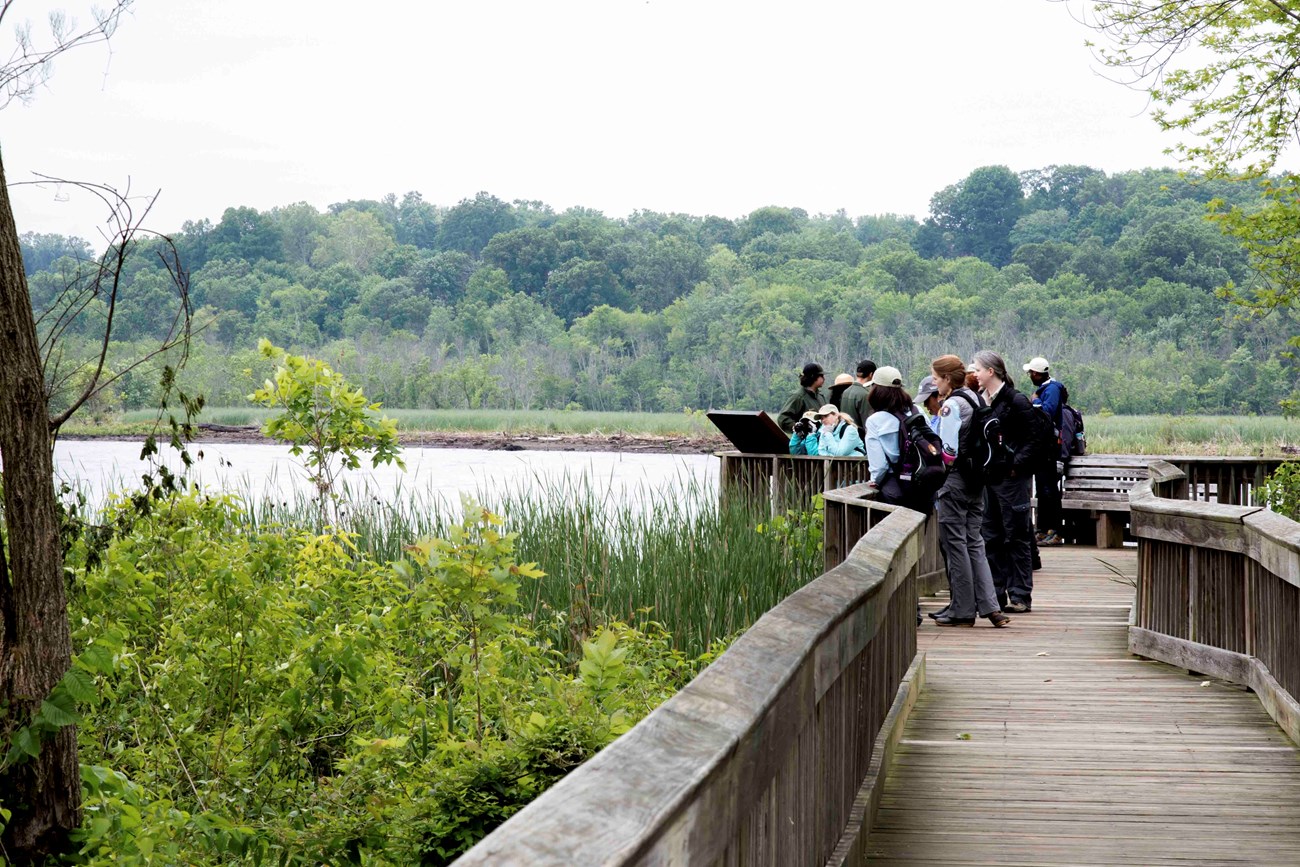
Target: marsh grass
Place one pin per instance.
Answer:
(487, 421)
(671, 554)
(1118, 434)
(1192, 435)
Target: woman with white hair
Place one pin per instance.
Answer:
(1008, 529)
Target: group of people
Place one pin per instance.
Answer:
(986, 530)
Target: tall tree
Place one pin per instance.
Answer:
(42, 792)
(974, 217)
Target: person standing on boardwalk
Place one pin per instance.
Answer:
(959, 506)
(854, 402)
(1007, 530)
(1049, 397)
(810, 395)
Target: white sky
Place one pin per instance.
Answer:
(696, 106)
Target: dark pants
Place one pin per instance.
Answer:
(1047, 486)
(1007, 536)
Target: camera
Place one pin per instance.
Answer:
(803, 427)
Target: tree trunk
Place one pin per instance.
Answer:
(35, 642)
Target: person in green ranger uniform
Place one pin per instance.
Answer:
(854, 402)
(810, 395)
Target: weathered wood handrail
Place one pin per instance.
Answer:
(1218, 590)
(774, 754)
(790, 480)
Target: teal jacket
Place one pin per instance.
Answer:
(842, 441)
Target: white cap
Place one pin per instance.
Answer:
(1037, 365)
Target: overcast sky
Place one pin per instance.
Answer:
(696, 106)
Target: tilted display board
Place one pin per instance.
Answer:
(752, 432)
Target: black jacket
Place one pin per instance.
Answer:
(1015, 416)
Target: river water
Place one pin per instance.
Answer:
(266, 471)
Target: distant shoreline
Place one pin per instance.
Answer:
(494, 441)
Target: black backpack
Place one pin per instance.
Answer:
(1045, 436)
(920, 470)
(1074, 442)
(982, 457)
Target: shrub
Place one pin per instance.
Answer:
(281, 697)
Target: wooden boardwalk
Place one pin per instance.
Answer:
(1049, 744)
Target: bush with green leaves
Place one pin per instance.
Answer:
(322, 414)
(279, 697)
(1281, 491)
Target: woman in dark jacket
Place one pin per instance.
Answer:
(1008, 528)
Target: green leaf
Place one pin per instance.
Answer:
(57, 716)
(79, 684)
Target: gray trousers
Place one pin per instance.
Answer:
(961, 515)
(1008, 534)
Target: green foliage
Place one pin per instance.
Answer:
(1237, 111)
(322, 414)
(492, 305)
(255, 696)
(800, 532)
(1281, 491)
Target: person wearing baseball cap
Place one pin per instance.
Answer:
(854, 401)
(1048, 396)
(838, 435)
(810, 395)
(927, 397)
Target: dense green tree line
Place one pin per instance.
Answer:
(496, 304)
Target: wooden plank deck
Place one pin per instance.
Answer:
(1047, 743)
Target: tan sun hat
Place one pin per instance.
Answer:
(828, 409)
(888, 377)
(811, 415)
(844, 379)
(1037, 365)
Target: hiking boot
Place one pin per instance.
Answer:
(1016, 608)
(997, 618)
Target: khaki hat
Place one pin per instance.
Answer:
(828, 409)
(1037, 365)
(888, 377)
(844, 379)
(811, 415)
(970, 368)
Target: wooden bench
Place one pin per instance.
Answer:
(1094, 498)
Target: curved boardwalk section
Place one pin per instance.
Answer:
(1050, 744)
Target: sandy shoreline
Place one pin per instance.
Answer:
(498, 441)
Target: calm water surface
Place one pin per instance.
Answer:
(270, 471)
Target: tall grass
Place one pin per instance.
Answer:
(670, 554)
(1122, 434)
(1192, 434)
(490, 420)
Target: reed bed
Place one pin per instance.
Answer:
(488, 420)
(1117, 434)
(671, 554)
(1193, 435)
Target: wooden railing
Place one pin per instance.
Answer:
(1094, 507)
(775, 753)
(1218, 589)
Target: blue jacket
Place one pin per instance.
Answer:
(1049, 398)
(843, 440)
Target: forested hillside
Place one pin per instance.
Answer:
(494, 304)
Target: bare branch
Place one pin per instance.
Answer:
(31, 62)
